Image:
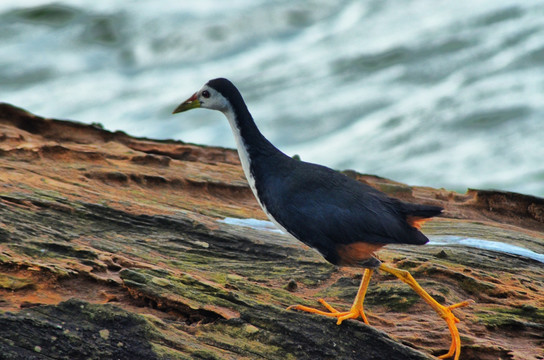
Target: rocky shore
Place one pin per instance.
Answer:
(113, 247)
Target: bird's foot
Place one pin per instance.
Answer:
(354, 313)
(446, 313)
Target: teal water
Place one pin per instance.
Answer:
(445, 94)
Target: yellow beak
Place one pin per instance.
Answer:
(190, 103)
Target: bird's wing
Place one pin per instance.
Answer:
(324, 203)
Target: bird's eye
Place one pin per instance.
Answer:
(206, 94)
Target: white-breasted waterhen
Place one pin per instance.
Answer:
(344, 219)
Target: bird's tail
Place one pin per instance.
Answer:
(417, 214)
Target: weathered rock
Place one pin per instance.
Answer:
(110, 247)
(75, 329)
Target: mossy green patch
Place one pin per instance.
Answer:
(344, 288)
(15, 283)
(166, 352)
(160, 281)
(205, 354)
(530, 312)
(468, 283)
(395, 297)
(473, 286)
(512, 317)
(247, 343)
(495, 320)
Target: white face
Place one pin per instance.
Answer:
(211, 99)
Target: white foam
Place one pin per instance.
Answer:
(263, 225)
(252, 223)
(487, 245)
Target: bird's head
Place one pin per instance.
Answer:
(213, 95)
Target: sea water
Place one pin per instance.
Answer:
(445, 94)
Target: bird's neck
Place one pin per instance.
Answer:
(249, 140)
(253, 148)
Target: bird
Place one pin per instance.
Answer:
(345, 220)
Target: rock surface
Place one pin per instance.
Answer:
(110, 247)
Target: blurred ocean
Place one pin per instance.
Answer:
(440, 93)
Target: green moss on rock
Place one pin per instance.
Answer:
(14, 283)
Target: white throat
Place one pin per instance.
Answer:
(242, 151)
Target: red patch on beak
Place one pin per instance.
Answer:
(192, 98)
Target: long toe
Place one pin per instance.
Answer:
(328, 306)
(455, 347)
(353, 313)
(451, 320)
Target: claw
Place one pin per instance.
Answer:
(445, 312)
(355, 311)
(326, 304)
(357, 308)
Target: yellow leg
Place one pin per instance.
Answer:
(356, 309)
(443, 311)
